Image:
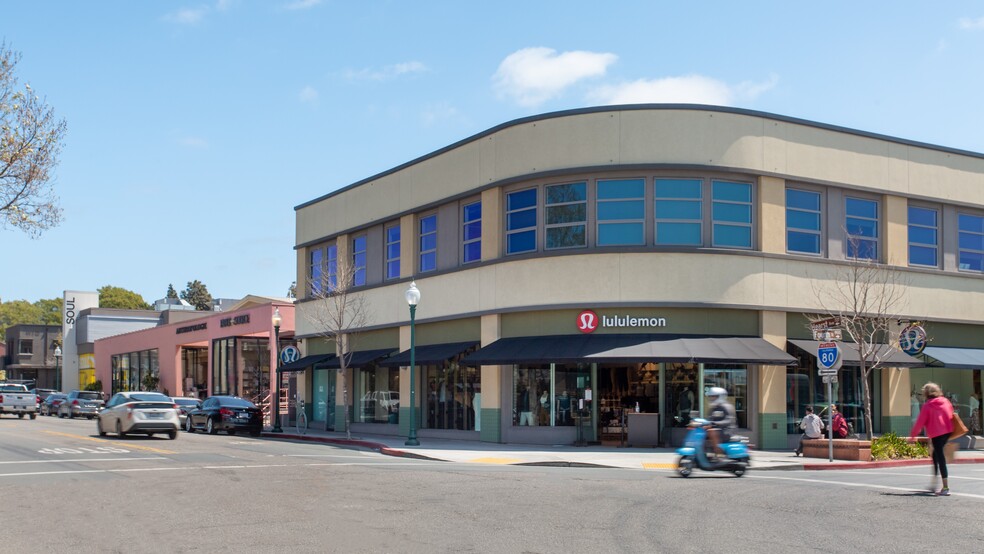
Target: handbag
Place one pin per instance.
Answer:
(959, 429)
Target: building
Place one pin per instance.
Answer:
(577, 265)
(31, 355)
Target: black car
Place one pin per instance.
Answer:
(225, 413)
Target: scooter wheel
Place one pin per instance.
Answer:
(740, 469)
(685, 466)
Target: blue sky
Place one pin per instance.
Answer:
(194, 128)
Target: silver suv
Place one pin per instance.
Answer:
(81, 403)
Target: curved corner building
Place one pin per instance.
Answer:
(585, 275)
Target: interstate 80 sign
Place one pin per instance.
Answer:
(828, 358)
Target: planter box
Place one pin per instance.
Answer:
(844, 449)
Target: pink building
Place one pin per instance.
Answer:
(229, 352)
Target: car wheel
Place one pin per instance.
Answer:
(231, 431)
(70, 415)
(99, 427)
(89, 417)
(172, 434)
(60, 414)
(20, 416)
(210, 427)
(119, 430)
(34, 416)
(254, 433)
(189, 426)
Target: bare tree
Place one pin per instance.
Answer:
(867, 297)
(337, 314)
(30, 141)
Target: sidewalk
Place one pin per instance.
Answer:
(574, 456)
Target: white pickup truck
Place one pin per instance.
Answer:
(16, 399)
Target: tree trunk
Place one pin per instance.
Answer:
(866, 394)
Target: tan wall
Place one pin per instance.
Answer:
(408, 252)
(684, 136)
(492, 228)
(896, 230)
(772, 379)
(895, 389)
(772, 214)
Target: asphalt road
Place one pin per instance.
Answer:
(63, 488)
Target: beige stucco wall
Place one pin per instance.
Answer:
(772, 379)
(772, 214)
(756, 143)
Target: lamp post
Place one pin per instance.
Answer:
(276, 389)
(58, 355)
(413, 296)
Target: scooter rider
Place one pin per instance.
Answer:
(722, 416)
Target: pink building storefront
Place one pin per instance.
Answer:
(230, 352)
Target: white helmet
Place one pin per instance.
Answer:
(716, 393)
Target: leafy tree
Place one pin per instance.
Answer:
(22, 312)
(292, 291)
(171, 293)
(51, 310)
(197, 295)
(120, 298)
(30, 142)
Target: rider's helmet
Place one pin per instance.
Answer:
(716, 394)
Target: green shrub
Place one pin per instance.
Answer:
(893, 447)
(95, 385)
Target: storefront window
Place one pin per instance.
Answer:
(253, 364)
(734, 379)
(451, 397)
(804, 387)
(681, 393)
(960, 386)
(135, 371)
(547, 395)
(195, 371)
(223, 367)
(378, 394)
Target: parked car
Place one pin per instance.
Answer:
(16, 399)
(81, 403)
(42, 394)
(49, 406)
(185, 405)
(139, 412)
(225, 413)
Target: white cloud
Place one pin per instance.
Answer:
(689, 89)
(187, 16)
(386, 73)
(302, 4)
(969, 23)
(438, 112)
(532, 76)
(194, 142)
(308, 95)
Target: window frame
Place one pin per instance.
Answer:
(600, 223)
(820, 220)
(936, 229)
(528, 229)
(465, 224)
(316, 270)
(850, 238)
(421, 235)
(583, 223)
(960, 249)
(387, 247)
(21, 343)
(714, 223)
(699, 201)
(331, 267)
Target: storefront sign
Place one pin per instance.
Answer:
(191, 328)
(913, 339)
(230, 321)
(588, 321)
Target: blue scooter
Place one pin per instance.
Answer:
(736, 458)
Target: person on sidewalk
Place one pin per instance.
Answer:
(812, 427)
(838, 425)
(936, 416)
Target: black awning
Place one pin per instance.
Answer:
(305, 362)
(630, 349)
(954, 358)
(360, 358)
(890, 357)
(429, 354)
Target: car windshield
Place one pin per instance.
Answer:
(236, 402)
(150, 397)
(90, 395)
(13, 388)
(185, 401)
(54, 397)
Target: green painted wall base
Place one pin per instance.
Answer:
(491, 425)
(900, 425)
(405, 421)
(340, 418)
(772, 432)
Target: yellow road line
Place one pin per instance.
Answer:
(659, 466)
(115, 443)
(495, 460)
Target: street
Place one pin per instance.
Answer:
(63, 488)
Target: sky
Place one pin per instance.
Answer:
(195, 127)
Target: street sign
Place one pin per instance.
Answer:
(828, 335)
(829, 378)
(289, 354)
(827, 354)
(826, 323)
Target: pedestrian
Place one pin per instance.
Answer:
(812, 427)
(838, 425)
(936, 416)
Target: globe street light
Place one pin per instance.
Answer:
(277, 320)
(413, 296)
(58, 355)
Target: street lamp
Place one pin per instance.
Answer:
(277, 320)
(413, 296)
(58, 355)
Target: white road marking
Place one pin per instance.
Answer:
(79, 460)
(186, 468)
(863, 485)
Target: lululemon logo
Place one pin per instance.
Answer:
(587, 321)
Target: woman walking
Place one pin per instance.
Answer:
(936, 416)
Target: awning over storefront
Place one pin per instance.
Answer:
(306, 362)
(429, 354)
(954, 358)
(629, 349)
(359, 358)
(890, 357)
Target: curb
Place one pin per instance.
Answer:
(351, 443)
(886, 463)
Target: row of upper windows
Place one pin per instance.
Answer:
(658, 211)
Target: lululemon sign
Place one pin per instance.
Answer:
(587, 321)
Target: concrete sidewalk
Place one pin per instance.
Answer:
(575, 456)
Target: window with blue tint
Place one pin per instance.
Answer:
(521, 221)
(970, 242)
(471, 232)
(428, 243)
(803, 221)
(621, 211)
(731, 214)
(862, 228)
(359, 261)
(566, 214)
(923, 236)
(679, 211)
(331, 266)
(393, 252)
(316, 271)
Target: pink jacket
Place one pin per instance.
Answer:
(936, 416)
